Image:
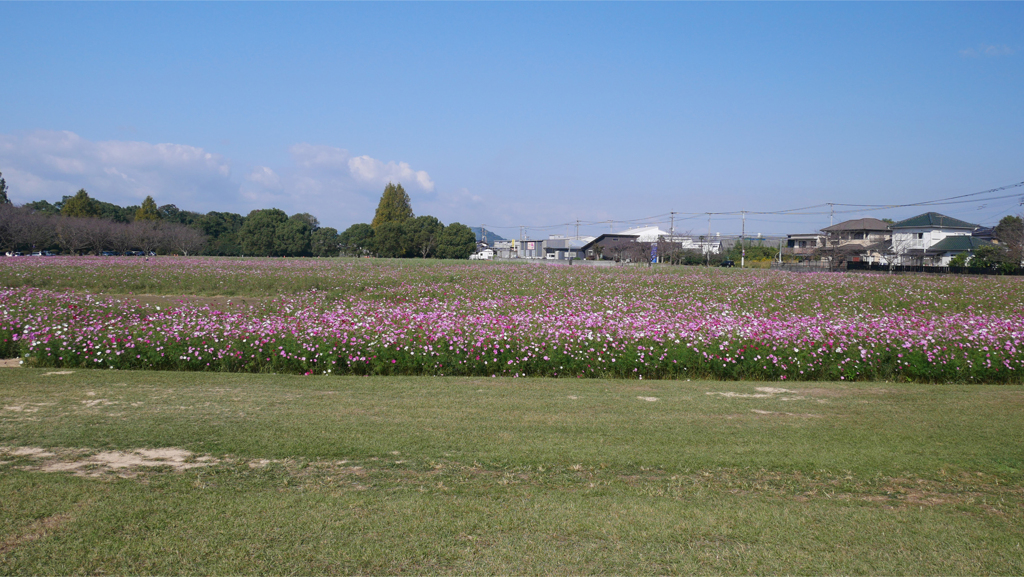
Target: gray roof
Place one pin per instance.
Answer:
(858, 224)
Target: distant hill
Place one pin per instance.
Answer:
(491, 235)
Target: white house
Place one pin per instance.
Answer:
(913, 238)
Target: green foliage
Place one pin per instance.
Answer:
(394, 239)
(325, 242)
(81, 205)
(307, 218)
(218, 224)
(171, 213)
(3, 190)
(988, 256)
(114, 213)
(755, 251)
(425, 235)
(960, 260)
(394, 206)
(687, 257)
(43, 207)
(222, 228)
(456, 241)
(148, 210)
(357, 240)
(258, 235)
(292, 237)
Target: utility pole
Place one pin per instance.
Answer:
(831, 212)
(743, 235)
(707, 245)
(577, 229)
(672, 227)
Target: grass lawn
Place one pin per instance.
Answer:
(291, 474)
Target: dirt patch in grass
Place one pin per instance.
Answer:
(39, 529)
(823, 392)
(85, 463)
(782, 414)
(10, 363)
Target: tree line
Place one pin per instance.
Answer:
(79, 224)
(396, 232)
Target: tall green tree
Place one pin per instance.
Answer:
(394, 206)
(425, 235)
(456, 241)
(258, 235)
(3, 190)
(357, 240)
(308, 219)
(148, 210)
(324, 242)
(222, 228)
(292, 237)
(393, 239)
(81, 205)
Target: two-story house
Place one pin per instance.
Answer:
(914, 238)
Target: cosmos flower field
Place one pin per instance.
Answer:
(379, 317)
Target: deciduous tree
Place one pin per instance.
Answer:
(426, 232)
(325, 242)
(393, 239)
(292, 237)
(357, 240)
(456, 241)
(258, 235)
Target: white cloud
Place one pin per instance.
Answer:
(371, 170)
(987, 50)
(49, 164)
(333, 184)
(308, 155)
(265, 177)
(329, 182)
(362, 169)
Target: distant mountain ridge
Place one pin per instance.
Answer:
(491, 235)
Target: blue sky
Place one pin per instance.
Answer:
(510, 114)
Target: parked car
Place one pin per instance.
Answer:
(727, 263)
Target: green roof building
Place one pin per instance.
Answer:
(917, 240)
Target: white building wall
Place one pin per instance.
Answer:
(907, 238)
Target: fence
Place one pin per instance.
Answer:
(931, 269)
(809, 266)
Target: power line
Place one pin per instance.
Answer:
(672, 217)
